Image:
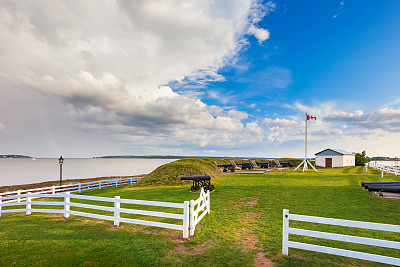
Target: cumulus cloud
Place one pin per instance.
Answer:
(387, 119)
(110, 63)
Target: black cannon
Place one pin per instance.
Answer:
(375, 184)
(384, 188)
(245, 165)
(199, 182)
(226, 167)
(263, 165)
(286, 164)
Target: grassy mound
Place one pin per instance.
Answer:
(169, 174)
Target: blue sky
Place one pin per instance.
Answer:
(329, 52)
(222, 78)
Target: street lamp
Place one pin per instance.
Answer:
(61, 161)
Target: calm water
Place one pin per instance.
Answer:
(24, 171)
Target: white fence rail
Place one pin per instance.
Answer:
(79, 187)
(286, 244)
(65, 208)
(385, 168)
(203, 205)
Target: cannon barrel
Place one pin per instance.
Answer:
(367, 185)
(386, 188)
(199, 177)
(224, 165)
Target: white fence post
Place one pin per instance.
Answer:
(67, 200)
(19, 193)
(185, 219)
(131, 180)
(79, 188)
(28, 204)
(117, 205)
(53, 189)
(382, 174)
(99, 184)
(191, 215)
(1, 200)
(285, 233)
(208, 201)
(116, 182)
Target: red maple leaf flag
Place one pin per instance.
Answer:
(311, 117)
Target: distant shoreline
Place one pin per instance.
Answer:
(14, 157)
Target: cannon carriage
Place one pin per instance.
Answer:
(199, 182)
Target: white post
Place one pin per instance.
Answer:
(305, 158)
(192, 217)
(99, 184)
(285, 233)
(116, 182)
(382, 174)
(185, 219)
(53, 189)
(67, 200)
(79, 188)
(366, 168)
(28, 204)
(131, 180)
(1, 200)
(19, 193)
(117, 205)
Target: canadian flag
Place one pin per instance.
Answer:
(311, 117)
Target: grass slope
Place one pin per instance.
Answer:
(245, 220)
(169, 174)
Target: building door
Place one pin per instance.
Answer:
(328, 162)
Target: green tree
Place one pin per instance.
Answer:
(362, 158)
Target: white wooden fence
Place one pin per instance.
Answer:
(286, 244)
(385, 168)
(79, 187)
(66, 205)
(203, 205)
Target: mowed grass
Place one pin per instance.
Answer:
(245, 219)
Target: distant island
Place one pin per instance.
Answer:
(14, 156)
(384, 159)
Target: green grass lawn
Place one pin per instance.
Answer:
(245, 220)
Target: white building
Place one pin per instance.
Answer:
(331, 158)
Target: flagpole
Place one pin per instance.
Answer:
(305, 157)
(305, 161)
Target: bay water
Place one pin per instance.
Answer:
(18, 171)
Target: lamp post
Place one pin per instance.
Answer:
(61, 161)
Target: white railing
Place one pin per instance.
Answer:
(385, 168)
(79, 187)
(189, 222)
(203, 205)
(286, 244)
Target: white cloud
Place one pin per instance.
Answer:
(110, 62)
(259, 33)
(386, 119)
(2, 127)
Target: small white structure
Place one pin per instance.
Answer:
(331, 158)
